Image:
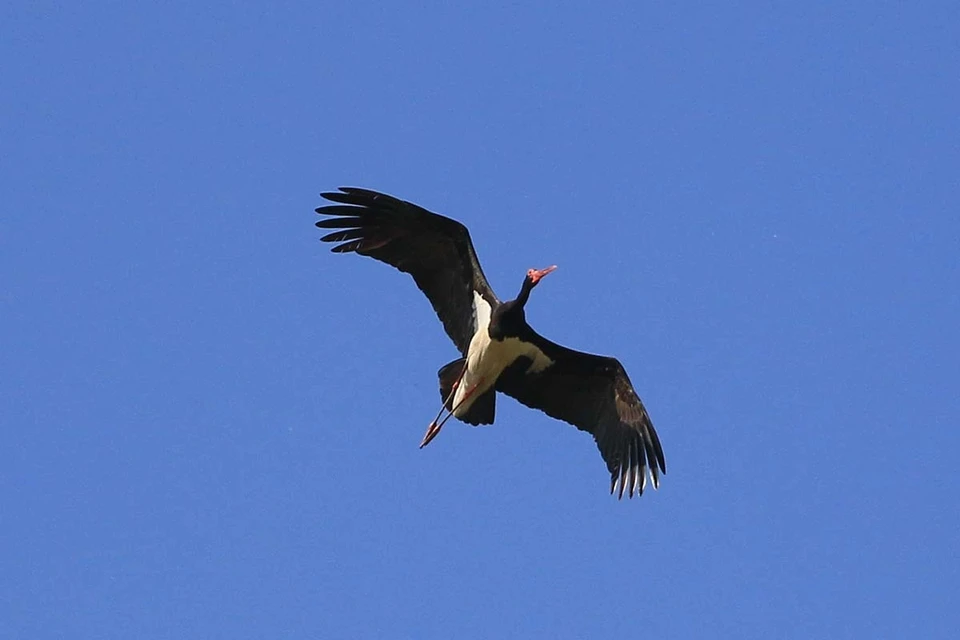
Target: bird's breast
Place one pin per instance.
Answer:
(488, 357)
(486, 360)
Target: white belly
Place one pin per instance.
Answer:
(486, 360)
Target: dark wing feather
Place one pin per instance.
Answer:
(435, 250)
(594, 394)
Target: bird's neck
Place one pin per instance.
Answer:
(525, 290)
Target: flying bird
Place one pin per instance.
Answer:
(499, 350)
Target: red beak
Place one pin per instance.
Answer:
(536, 274)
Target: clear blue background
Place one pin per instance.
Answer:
(210, 423)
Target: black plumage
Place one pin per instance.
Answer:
(435, 250)
(588, 391)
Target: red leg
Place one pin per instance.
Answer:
(434, 428)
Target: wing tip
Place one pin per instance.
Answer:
(346, 247)
(334, 196)
(640, 468)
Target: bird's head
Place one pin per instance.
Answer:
(534, 276)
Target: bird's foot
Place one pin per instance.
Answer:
(431, 433)
(437, 423)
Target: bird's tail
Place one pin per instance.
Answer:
(482, 409)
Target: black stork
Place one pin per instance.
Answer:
(500, 352)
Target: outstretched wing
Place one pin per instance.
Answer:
(594, 394)
(435, 250)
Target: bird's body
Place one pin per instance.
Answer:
(500, 351)
(487, 357)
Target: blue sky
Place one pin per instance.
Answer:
(210, 423)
